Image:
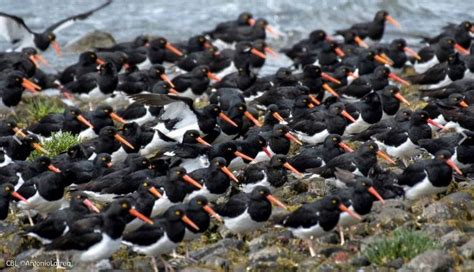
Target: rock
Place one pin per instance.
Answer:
(396, 264)
(268, 254)
(214, 260)
(195, 269)
(457, 197)
(467, 250)
(439, 211)
(309, 264)
(222, 247)
(330, 251)
(330, 238)
(436, 230)
(431, 260)
(454, 239)
(360, 261)
(388, 218)
(93, 39)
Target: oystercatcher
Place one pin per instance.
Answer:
(428, 177)
(20, 35)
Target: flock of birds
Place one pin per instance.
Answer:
(164, 167)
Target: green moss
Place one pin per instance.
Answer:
(59, 142)
(402, 243)
(36, 107)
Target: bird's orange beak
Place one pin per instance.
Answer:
(30, 85)
(166, 79)
(293, 138)
(385, 156)
(173, 49)
(290, 167)
(140, 216)
(394, 77)
(155, 192)
(229, 173)
(346, 147)
(83, 120)
(349, 117)
(91, 206)
(330, 90)
(213, 76)
(56, 48)
(401, 98)
(122, 140)
(20, 197)
(412, 53)
(360, 42)
(330, 78)
(275, 201)
(243, 156)
(53, 168)
(258, 53)
(192, 181)
(454, 166)
(461, 49)
(344, 208)
(227, 119)
(392, 21)
(376, 194)
(117, 118)
(189, 222)
(253, 119)
(212, 213)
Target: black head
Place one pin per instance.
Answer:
(161, 87)
(77, 199)
(456, 99)
(332, 140)
(466, 25)
(200, 71)
(278, 160)
(317, 36)
(381, 72)
(74, 151)
(371, 97)
(390, 90)
(447, 43)
(368, 147)
(103, 111)
(259, 193)
(198, 202)
(312, 71)
(280, 130)
(41, 163)
(156, 71)
(141, 40)
(212, 110)
(6, 190)
(336, 108)
(175, 213)
(120, 207)
(419, 117)
(190, 136)
(158, 43)
(176, 173)
(302, 101)
(443, 155)
(104, 160)
(88, 57)
(218, 162)
(228, 149)
(403, 115)
(283, 73)
(453, 58)
(43, 40)
(399, 44)
(107, 69)
(14, 79)
(108, 132)
(380, 15)
(244, 18)
(72, 111)
(330, 203)
(261, 23)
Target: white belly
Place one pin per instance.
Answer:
(313, 139)
(196, 163)
(357, 127)
(87, 134)
(101, 197)
(161, 205)
(423, 188)
(133, 225)
(307, 233)
(43, 206)
(119, 156)
(102, 250)
(242, 223)
(406, 150)
(144, 119)
(248, 188)
(154, 146)
(163, 246)
(423, 67)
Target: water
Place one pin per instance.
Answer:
(179, 19)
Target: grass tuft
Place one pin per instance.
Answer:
(58, 143)
(36, 107)
(403, 243)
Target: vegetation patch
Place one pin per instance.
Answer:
(58, 143)
(402, 243)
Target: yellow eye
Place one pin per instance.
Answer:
(178, 172)
(334, 139)
(262, 192)
(125, 205)
(241, 108)
(371, 147)
(334, 201)
(200, 202)
(178, 213)
(78, 196)
(143, 162)
(7, 189)
(145, 184)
